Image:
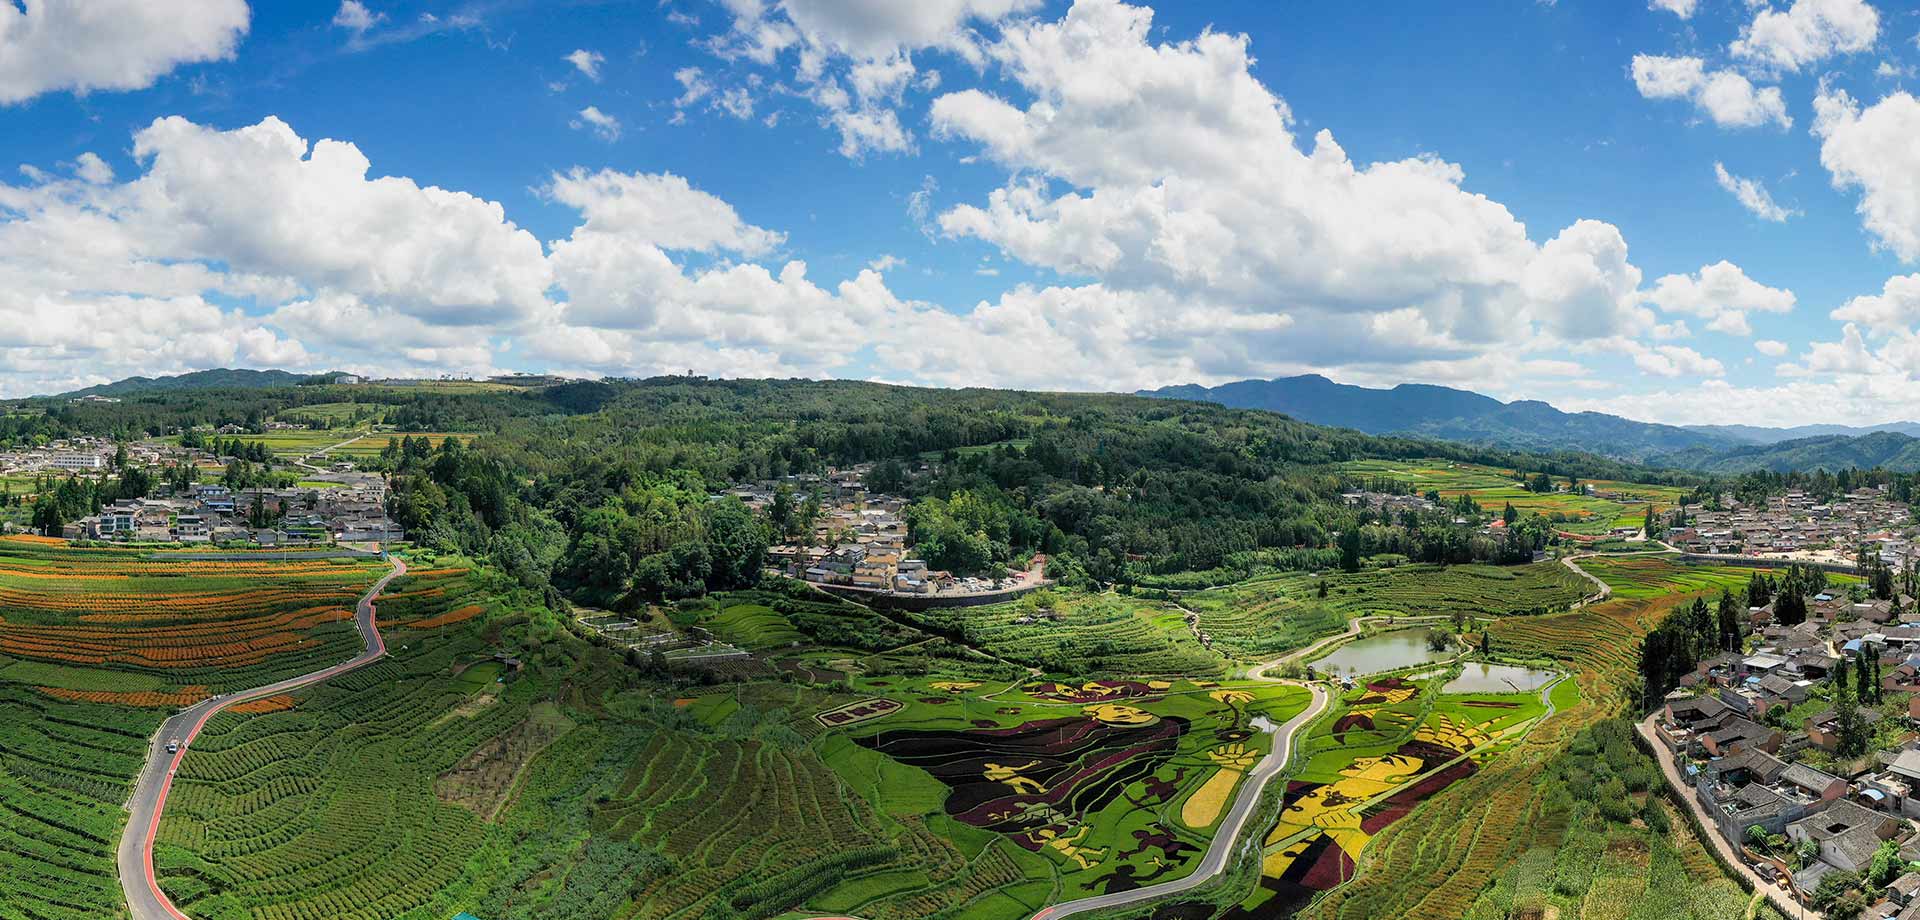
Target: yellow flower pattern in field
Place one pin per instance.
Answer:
(1118, 714)
(1334, 808)
(1204, 806)
(1445, 730)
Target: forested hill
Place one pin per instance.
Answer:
(217, 379)
(1886, 449)
(602, 489)
(1455, 415)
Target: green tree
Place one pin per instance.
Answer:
(1350, 550)
(1729, 621)
(736, 544)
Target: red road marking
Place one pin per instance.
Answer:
(377, 647)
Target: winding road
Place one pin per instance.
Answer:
(145, 900)
(1247, 797)
(1224, 839)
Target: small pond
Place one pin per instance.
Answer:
(1482, 677)
(1385, 651)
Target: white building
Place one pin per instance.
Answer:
(71, 461)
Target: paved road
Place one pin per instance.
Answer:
(1779, 896)
(144, 897)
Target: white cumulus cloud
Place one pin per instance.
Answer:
(89, 45)
(1725, 96)
(1871, 150)
(1806, 32)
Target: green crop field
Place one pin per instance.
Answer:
(1621, 850)
(1078, 633)
(328, 809)
(1651, 575)
(101, 644)
(65, 770)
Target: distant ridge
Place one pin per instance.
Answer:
(223, 378)
(1759, 435)
(1455, 415)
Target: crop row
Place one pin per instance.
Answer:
(729, 813)
(65, 768)
(1083, 634)
(327, 809)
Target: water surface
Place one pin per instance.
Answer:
(1385, 651)
(1483, 677)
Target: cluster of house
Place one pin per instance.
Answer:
(859, 539)
(1386, 504)
(1797, 523)
(1748, 771)
(354, 512)
(76, 456)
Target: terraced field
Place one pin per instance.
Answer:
(1617, 848)
(1273, 613)
(328, 809)
(65, 769)
(1391, 746)
(96, 647)
(1086, 634)
(1510, 815)
(155, 628)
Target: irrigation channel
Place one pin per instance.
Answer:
(145, 900)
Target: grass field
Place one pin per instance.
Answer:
(296, 443)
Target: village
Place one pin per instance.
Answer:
(857, 544)
(336, 504)
(1761, 739)
(1797, 526)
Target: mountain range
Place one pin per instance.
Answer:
(1462, 415)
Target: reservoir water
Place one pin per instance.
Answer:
(1482, 677)
(1385, 651)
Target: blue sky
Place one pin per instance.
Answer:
(1534, 200)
